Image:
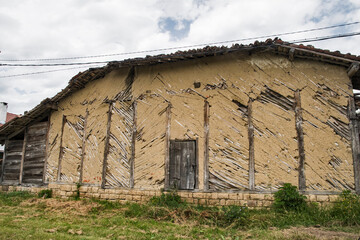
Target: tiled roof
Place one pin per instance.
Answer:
(77, 82)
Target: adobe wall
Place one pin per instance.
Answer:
(85, 137)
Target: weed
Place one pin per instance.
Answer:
(77, 193)
(347, 208)
(14, 198)
(45, 193)
(171, 199)
(237, 215)
(288, 198)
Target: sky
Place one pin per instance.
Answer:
(48, 29)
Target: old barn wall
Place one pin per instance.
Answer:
(207, 100)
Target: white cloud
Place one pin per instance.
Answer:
(51, 29)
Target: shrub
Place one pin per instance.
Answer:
(347, 208)
(45, 193)
(171, 199)
(237, 215)
(288, 198)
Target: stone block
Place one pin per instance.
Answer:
(333, 198)
(223, 195)
(269, 197)
(53, 186)
(84, 189)
(233, 196)
(311, 198)
(213, 202)
(257, 196)
(322, 198)
(252, 203)
(66, 187)
(230, 202)
(240, 196)
(202, 201)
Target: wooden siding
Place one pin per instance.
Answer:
(35, 153)
(12, 161)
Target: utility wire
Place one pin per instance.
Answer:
(181, 47)
(89, 63)
(40, 72)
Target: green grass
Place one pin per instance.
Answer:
(24, 216)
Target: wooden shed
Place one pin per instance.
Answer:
(217, 119)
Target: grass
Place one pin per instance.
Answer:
(23, 215)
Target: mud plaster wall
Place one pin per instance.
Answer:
(120, 149)
(150, 142)
(227, 83)
(92, 99)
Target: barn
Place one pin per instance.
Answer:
(239, 119)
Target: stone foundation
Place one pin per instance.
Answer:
(142, 196)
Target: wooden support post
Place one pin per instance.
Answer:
(206, 144)
(355, 142)
(300, 140)
(167, 146)
(83, 150)
(61, 153)
(46, 149)
(251, 147)
(3, 162)
(21, 174)
(106, 150)
(133, 142)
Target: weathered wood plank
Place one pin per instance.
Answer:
(300, 140)
(106, 148)
(61, 152)
(206, 144)
(251, 146)
(46, 148)
(167, 146)
(355, 142)
(133, 142)
(23, 156)
(83, 148)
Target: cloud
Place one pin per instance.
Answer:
(52, 29)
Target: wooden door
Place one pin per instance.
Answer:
(182, 174)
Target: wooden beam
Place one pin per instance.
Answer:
(167, 146)
(353, 69)
(46, 149)
(106, 149)
(355, 142)
(206, 144)
(251, 146)
(133, 142)
(61, 152)
(3, 162)
(300, 140)
(291, 54)
(83, 144)
(23, 157)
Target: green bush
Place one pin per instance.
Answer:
(288, 198)
(237, 215)
(45, 193)
(171, 199)
(347, 208)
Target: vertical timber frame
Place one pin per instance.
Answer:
(300, 140)
(23, 156)
(106, 148)
(83, 148)
(206, 144)
(167, 146)
(133, 142)
(3, 162)
(61, 153)
(355, 142)
(46, 148)
(251, 147)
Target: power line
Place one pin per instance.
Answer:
(181, 47)
(89, 63)
(40, 72)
